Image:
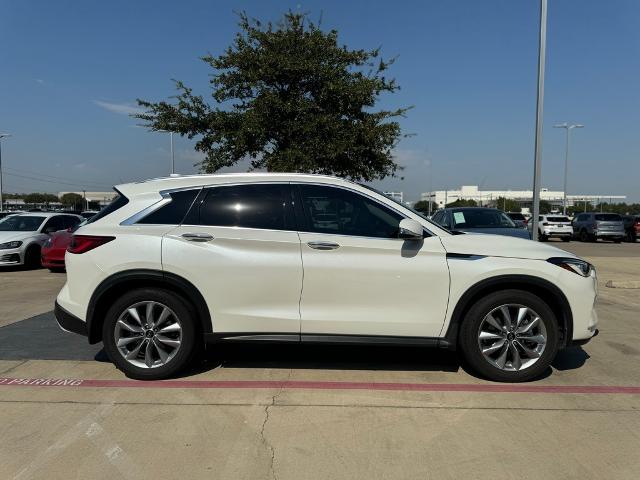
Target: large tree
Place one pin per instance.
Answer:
(289, 97)
(73, 200)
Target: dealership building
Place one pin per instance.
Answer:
(486, 197)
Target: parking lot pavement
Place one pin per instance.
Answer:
(326, 412)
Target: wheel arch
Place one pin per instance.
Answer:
(120, 282)
(547, 291)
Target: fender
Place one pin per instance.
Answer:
(549, 292)
(127, 279)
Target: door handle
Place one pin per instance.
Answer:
(323, 245)
(197, 237)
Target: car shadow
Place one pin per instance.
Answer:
(570, 358)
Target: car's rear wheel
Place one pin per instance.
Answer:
(566, 239)
(542, 237)
(150, 334)
(509, 336)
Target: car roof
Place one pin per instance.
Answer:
(46, 214)
(485, 209)
(186, 181)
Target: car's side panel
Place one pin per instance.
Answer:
(374, 286)
(250, 278)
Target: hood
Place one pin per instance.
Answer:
(13, 236)
(501, 246)
(507, 231)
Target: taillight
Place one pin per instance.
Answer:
(84, 243)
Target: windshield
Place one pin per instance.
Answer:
(20, 223)
(608, 217)
(481, 219)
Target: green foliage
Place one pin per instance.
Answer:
(39, 198)
(507, 205)
(72, 200)
(290, 98)
(423, 206)
(545, 207)
(461, 202)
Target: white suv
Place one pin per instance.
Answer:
(554, 225)
(176, 262)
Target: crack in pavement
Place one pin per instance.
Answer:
(264, 424)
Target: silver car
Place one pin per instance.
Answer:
(589, 227)
(22, 236)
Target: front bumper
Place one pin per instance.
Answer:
(69, 322)
(11, 256)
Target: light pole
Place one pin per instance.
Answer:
(542, 48)
(2, 135)
(568, 129)
(173, 160)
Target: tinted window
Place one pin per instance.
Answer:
(342, 212)
(20, 223)
(173, 212)
(54, 224)
(118, 202)
(608, 217)
(481, 218)
(516, 216)
(581, 218)
(247, 206)
(559, 219)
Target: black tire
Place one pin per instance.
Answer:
(190, 340)
(584, 236)
(468, 337)
(566, 239)
(617, 240)
(32, 258)
(57, 270)
(542, 237)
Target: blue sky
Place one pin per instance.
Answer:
(70, 71)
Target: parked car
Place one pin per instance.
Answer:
(55, 247)
(631, 227)
(518, 218)
(554, 226)
(591, 226)
(479, 220)
(173, 263)
(22, 236)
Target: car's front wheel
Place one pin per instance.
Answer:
(150, 334)
(509, 336)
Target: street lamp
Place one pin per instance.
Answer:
(173, 161)
(2, 135)
(568, 129)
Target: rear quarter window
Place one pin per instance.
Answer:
(118, 202)
(174, 212)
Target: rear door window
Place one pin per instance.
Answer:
(263, 206)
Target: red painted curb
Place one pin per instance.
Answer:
(317, 385)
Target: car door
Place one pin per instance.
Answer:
(239, 248)
(360, 278)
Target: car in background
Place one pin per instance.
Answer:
(88, 213)
(631, 227)
(591, 226)
(518, 218)
(554, 226)
(22, 236)
(6, 214)
(55, 247)
(479, 220)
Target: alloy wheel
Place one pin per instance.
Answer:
(512, 337)
(148, 334)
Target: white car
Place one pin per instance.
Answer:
(176, 262)
(22, 235)
(554, 225)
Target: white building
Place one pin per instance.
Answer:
(484, 197)
(397, 196)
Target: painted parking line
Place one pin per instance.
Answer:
(319, 385)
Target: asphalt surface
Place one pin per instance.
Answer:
(318, 412)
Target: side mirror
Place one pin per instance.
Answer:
(411, 229)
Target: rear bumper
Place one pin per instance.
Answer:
(558, 233)
(69, 322)
(610, 234)
(584, 341)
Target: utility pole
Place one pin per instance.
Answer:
(568, 129)
(2, 135)
(537, 167)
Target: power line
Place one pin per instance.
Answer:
(55, 181)
(46, 175)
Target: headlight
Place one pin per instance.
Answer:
(574, 265)
(4, 246)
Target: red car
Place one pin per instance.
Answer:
(54, 248)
